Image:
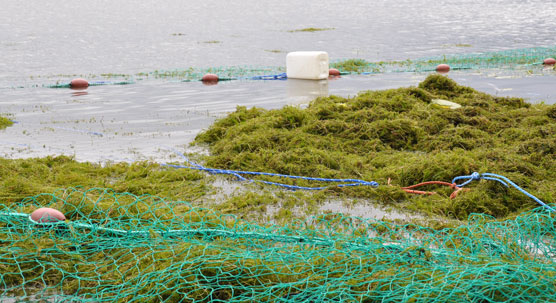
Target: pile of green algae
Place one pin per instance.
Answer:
(399, 136)
(396, 135)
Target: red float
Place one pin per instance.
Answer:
(210, 79)
(549, 61)
(443, 68)
(47, 215)
(333, 72)
(79, 83)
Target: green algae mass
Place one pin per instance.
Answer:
(351, 65)
(399, 135)
(27, 177)
(5, 122)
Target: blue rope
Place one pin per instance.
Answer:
(238, 173)
(505, 181)
(282, 76)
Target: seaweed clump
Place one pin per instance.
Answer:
(26, 177)
(351, 65)
(399, 135)
(5, 122)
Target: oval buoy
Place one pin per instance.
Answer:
(210, 79)
(333, 72)
(47, 215)
(443, 68)
(79, 83)
(549, 61)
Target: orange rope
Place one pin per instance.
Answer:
(411, 190)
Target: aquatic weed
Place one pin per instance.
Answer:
(25, 177)
(398, 135)
(311, 29)
(5, 122)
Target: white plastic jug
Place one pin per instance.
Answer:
(307, 65)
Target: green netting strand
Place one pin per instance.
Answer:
(507, 59)
(122, 247)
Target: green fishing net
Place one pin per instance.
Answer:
(522, 59)
(126, 248)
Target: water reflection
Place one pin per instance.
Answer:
(79, 92)
(307, 88)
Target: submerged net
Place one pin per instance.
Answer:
(122, 247)
(514, 59)
(522, 58)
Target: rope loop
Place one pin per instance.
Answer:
(411, 190)
(501, 179)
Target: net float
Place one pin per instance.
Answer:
(443, 68)
(549, 61)
(79, 83)
(47, 215)
(210, 79)
(333, 72)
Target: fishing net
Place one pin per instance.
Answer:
(122, 247)
(514, 59)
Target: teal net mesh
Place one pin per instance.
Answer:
(126, 248)
(513, 59)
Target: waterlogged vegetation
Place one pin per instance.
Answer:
(276, 51)
(351, 65)
(23, 178)
(311, 29)
(394, 137)
(398, 135)
(5, 122)
(27, 177)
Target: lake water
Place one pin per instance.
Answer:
(42, 42)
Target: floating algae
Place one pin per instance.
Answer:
(5, 122)
(352, 65)
(311, 29)
(399, 135)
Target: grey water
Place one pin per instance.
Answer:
(45, 41)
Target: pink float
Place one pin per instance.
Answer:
(210, 78)
(47, 215)
(443, 68)
(79, 83)
(333, 72)
(549, 61)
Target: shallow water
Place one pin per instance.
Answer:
(145, 121)
(54, 38)
(46, 41)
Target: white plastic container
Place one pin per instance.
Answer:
(307, 65)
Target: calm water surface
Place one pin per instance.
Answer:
(102, 36)
(45, 41)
